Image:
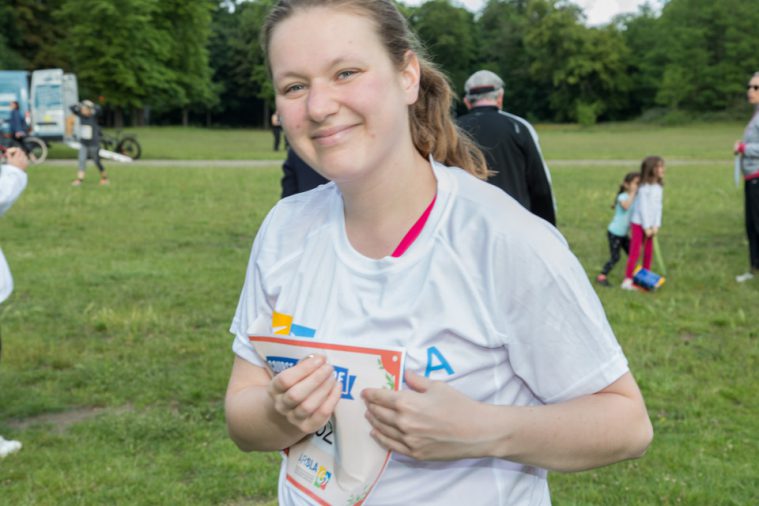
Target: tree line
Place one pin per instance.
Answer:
(200, 60)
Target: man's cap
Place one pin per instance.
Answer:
(481, 82)
(88, 103)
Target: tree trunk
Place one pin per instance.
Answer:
(185, 117)
(208, 118)
(118, 118)
(267, 116)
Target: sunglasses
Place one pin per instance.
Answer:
(754, 87)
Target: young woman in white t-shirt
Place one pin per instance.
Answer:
(512, 368)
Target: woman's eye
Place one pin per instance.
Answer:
(293, 88)
(345, 74)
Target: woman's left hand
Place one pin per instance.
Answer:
(431, 421)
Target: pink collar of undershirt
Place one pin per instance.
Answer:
(414, 231)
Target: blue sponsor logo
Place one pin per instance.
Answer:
(347, 380)
(279, 364)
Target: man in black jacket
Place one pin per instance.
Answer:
(298, 175)
(510, 145)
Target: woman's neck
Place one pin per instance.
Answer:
(380, 209)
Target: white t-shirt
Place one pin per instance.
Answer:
(488, 299)
(647, 206)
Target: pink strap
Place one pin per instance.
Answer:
(414, 231)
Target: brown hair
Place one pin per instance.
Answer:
(432, 128)
(648, 170)
(629, 177)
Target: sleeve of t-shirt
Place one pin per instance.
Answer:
(650, 206)
(751, 139)
(253, 313)
(12, 183)
(551, 321)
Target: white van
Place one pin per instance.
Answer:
(53, 92)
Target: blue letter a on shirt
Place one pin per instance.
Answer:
(436, 362)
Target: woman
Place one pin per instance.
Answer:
(748, 150)
(512, 368)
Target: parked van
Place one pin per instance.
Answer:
(14, 85)
(53, 92)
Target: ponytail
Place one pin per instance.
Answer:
(432, 129)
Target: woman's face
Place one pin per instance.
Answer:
(633, 184)
(342, 102)
(659, 171)
(753, 91)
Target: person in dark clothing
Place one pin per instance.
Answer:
(276, 129)
(89, 138)
(510, 145)
(299, 176)
(16, 122)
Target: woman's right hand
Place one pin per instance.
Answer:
(306, 394)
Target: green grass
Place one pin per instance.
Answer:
(634, 141)
(608, 141)
(124, 295)
(191, 143)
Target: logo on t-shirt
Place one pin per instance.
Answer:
(282, 325)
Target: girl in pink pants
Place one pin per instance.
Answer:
(646, 216)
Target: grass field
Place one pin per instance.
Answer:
(625, 141)
(116, 351)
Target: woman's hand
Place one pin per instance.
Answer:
(306, 394)
(432, 421)
(649, 231)
(17, 157)
(737, 147)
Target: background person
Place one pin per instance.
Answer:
(13, 181)
(298, 175)
(276, 129)
(510, 145)
(618, 230)
(89, 138)
(748, 149)
(645, 218)
(16, 122)
(512, 368)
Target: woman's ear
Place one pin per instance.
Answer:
(410, 74)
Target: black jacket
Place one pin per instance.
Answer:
(511, 152)
(299, 176)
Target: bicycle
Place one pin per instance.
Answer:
(125, 144)
(34, 147)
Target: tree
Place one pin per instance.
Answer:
(502, 28)
(34, 33)
(583, 67)
(709, 53)
(448, 33)
(238, 62)
(188, 22)
(118, 52)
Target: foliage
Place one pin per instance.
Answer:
(449, 35)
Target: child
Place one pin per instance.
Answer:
(620, 224)
(646, 217)
(511, 368)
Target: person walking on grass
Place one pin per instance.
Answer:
(748, 150)
(512, 368)
(510, 145)
(89, 138)
(13, 181)
(645, 219)
(618, 230)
